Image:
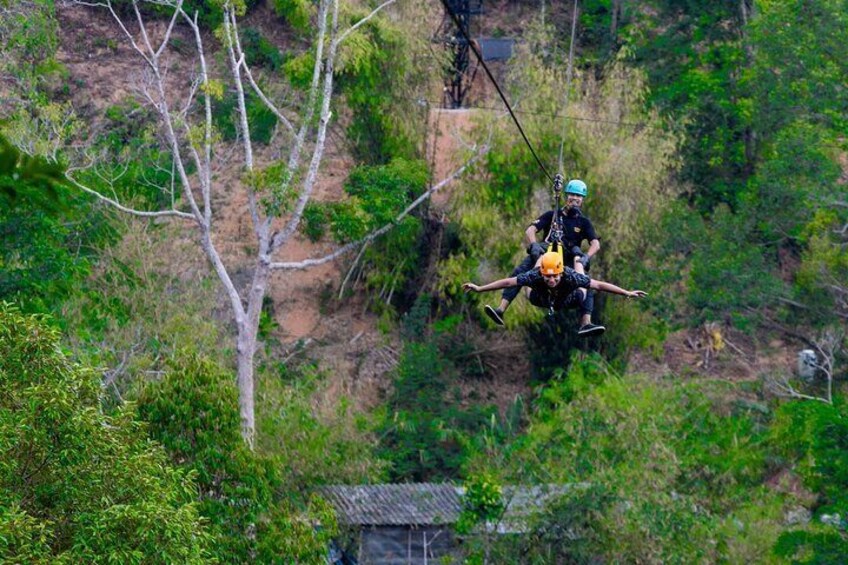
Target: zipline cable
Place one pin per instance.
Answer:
(497, 87)
(568, 79)
(639, 125)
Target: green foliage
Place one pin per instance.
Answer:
(28, 44)
(296, 12)
(315, 436)
(260, 119)
(692, 52)
(193, 412)
(482, 502)
(820, 279)
(75, 485)
(729, 274)
(267, 323)
(801, 60)
(377, 195)
(424, 428)
(135, 310)
(33, 178)
(814, 436)
(139, 170)
(374, 64)
(315, 217)
(822, 546)
(795, 177)
(655, 473)
(259, 51)
(46, 232)
(298, 69)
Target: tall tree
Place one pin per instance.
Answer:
(77, 486)
(276, 196)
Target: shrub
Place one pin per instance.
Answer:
(77, 486)
(259, 51)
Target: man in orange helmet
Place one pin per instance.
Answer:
(569, 227)
(551, 285)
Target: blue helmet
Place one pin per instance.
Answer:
(578, 187)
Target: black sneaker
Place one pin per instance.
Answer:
(590, 329)
(495, 314)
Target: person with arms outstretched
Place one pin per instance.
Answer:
(576, 228)
(551, 285)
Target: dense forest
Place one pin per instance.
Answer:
(234, 239)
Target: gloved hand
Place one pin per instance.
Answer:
(535, 249)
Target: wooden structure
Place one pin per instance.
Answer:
(413, 524)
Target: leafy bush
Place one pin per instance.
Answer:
(193, 412)
(314, 435)
(813, 437)
(377, 195)
(46, 232)
(77, 486)
(795, 177)
(296, 12)
(133, 312)
(298, 69)
(425, 429)
(655, 473)
(260, 118)
(373, 67)
(729, 274)
(259, 51)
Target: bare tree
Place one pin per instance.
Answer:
(190, 137)
(826, 347)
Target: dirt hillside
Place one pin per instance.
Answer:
(343, 336)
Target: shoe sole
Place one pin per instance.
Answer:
(490, 312)
(593, 331)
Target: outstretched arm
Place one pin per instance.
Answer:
(611, 288)
(495, 285)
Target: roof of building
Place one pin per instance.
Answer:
(423, 504)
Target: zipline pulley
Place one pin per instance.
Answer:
(556, 233)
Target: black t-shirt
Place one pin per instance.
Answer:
(574, 229)
(570, 281)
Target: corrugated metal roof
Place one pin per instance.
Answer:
(417, 504)
(424, 504)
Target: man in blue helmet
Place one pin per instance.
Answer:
(576, 228)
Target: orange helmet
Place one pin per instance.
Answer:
(552, 263)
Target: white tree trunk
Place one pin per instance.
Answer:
(245, 347)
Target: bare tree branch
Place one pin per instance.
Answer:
(377, 233)
(352, 267)
(364, 20)
(826, 346)
(785, 389)
(259, 92)
(318, 152)
(167, 38)
(122, 208)
(235, 66)
(294, 156)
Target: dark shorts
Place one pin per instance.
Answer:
(573, 300)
